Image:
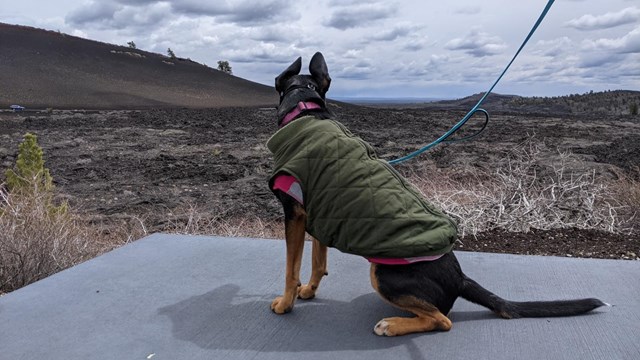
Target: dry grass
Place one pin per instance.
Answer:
(627, 192)
(36, 242)
(527, 191)
(190, 220)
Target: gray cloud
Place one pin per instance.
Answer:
(630, 43)
(261, 53)
(357, 69)
(598, 60)
(136, 2)
(469, 10)
(144, 12)
(478, 44)
(554, 48)
(630, 68)
(93, 12)
(394, 33)
(351, 54)
(415, 43)
(539, 73)
(359, 16)
(283, 36)
(111, 15)
(413, 46)
(427, 70)
(608, 20)
(348, 2)
(244, 12)
(276, 34)
(152, 16)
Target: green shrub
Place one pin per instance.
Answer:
(29, 176)
(29, 171)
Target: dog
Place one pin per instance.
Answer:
(332, 186)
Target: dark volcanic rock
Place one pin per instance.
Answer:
(115, 164)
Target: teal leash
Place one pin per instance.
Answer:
(477, 107)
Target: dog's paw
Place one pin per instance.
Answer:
(279, 306)
(398, 326)
(307, 292)
(382, 328)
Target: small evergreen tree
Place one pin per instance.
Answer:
(224, 67)
(29, 172)
(132, 45)
(170, 53)
(29, 177)
(633, 109)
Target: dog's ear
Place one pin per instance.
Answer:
(320, 73)
(293, 69)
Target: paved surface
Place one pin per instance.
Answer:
(182, 297)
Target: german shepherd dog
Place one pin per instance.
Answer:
(427, 289)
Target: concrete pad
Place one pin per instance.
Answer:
(196, 297)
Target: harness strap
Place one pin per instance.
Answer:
(302, 106)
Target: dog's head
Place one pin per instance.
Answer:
(294, 88)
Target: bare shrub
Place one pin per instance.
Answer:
(36, 242)
(192, 220)
(527, 191)
(627, 191)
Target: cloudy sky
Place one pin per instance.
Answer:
(385, 48)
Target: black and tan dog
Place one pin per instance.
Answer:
(426, 285)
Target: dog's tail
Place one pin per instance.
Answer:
(475, 293)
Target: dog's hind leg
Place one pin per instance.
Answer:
(295, 220)
(318, 270)
(427, 316)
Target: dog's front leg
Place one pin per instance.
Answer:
(318, 270)
(295, 221)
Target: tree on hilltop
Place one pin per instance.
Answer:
(224, 67)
